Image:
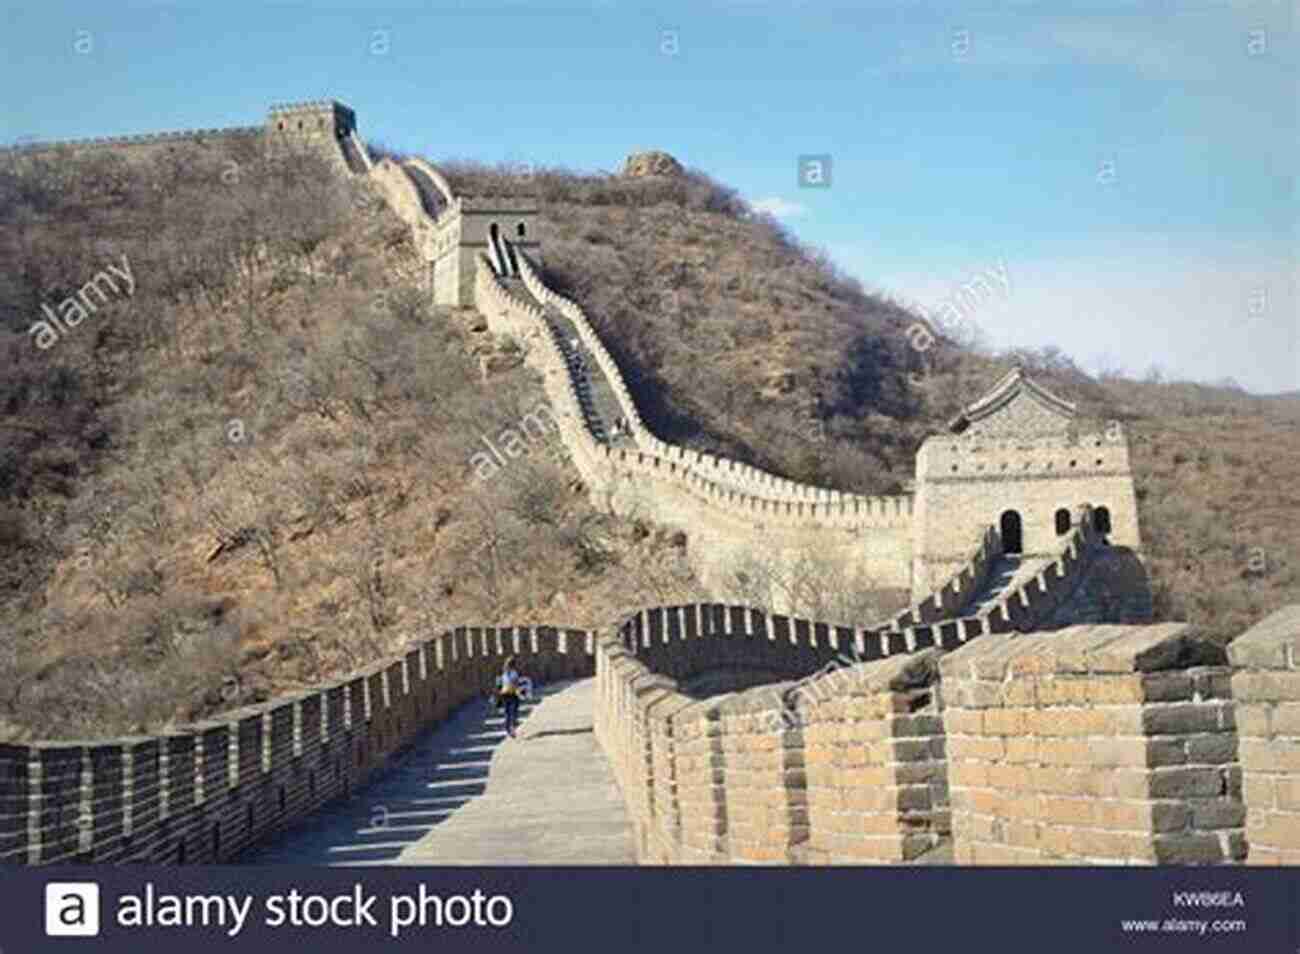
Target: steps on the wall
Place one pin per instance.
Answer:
(600, 407)
(1009, 572)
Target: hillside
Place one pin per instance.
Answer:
(737, 340)
(252, 472)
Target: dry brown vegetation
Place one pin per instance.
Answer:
(254, 473)
(737, 339)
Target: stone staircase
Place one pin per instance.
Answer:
(600, 407)
(1010, 571)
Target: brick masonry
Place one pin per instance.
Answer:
(325, 126)
(1090, 745)
(1266, 687)
(1105, 744)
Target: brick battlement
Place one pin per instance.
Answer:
(497, 203)
(205, 792)
(134, 140)
(306, 105)
(1091, 745)
(331, 117)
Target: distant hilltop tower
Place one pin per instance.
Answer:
(321, 124)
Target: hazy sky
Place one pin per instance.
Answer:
(1128, 167)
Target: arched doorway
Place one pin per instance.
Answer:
(521, 231)
(1012, 541)
(1062, 522)
(1101, 520)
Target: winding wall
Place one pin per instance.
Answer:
(733, 512)
(869, 536)
(721, 471)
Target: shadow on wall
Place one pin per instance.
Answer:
(1116, 588)
(732, 679)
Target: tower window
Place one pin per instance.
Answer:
(1062, 522)
(1012, 540)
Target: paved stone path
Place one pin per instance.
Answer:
(468, 795)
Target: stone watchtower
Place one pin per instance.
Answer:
(323, 125)
(500, 227)
(1015, 459)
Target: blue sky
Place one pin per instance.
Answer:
(1129, 167)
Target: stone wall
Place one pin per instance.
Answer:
(322, 125)
(874, 761)
(205, 792)
(436, 179)
(1097, 745)
(747, 777)
(870, 534)
(1266, 688)
(133, 148)
(966, 483)
(1090, 745)
(404, 199)
(720, 471)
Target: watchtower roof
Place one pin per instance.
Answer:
(309, 105)
(1012, 386)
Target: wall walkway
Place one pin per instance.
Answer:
(206, 792)
(467, 795)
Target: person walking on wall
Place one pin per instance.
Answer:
(508, 691)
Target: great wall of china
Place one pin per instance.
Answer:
(1006, 716)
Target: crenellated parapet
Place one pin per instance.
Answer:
(957, 459)
(739, 737)
(1266, 689)
(170, 136)
(202, 793)
(325, 125)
